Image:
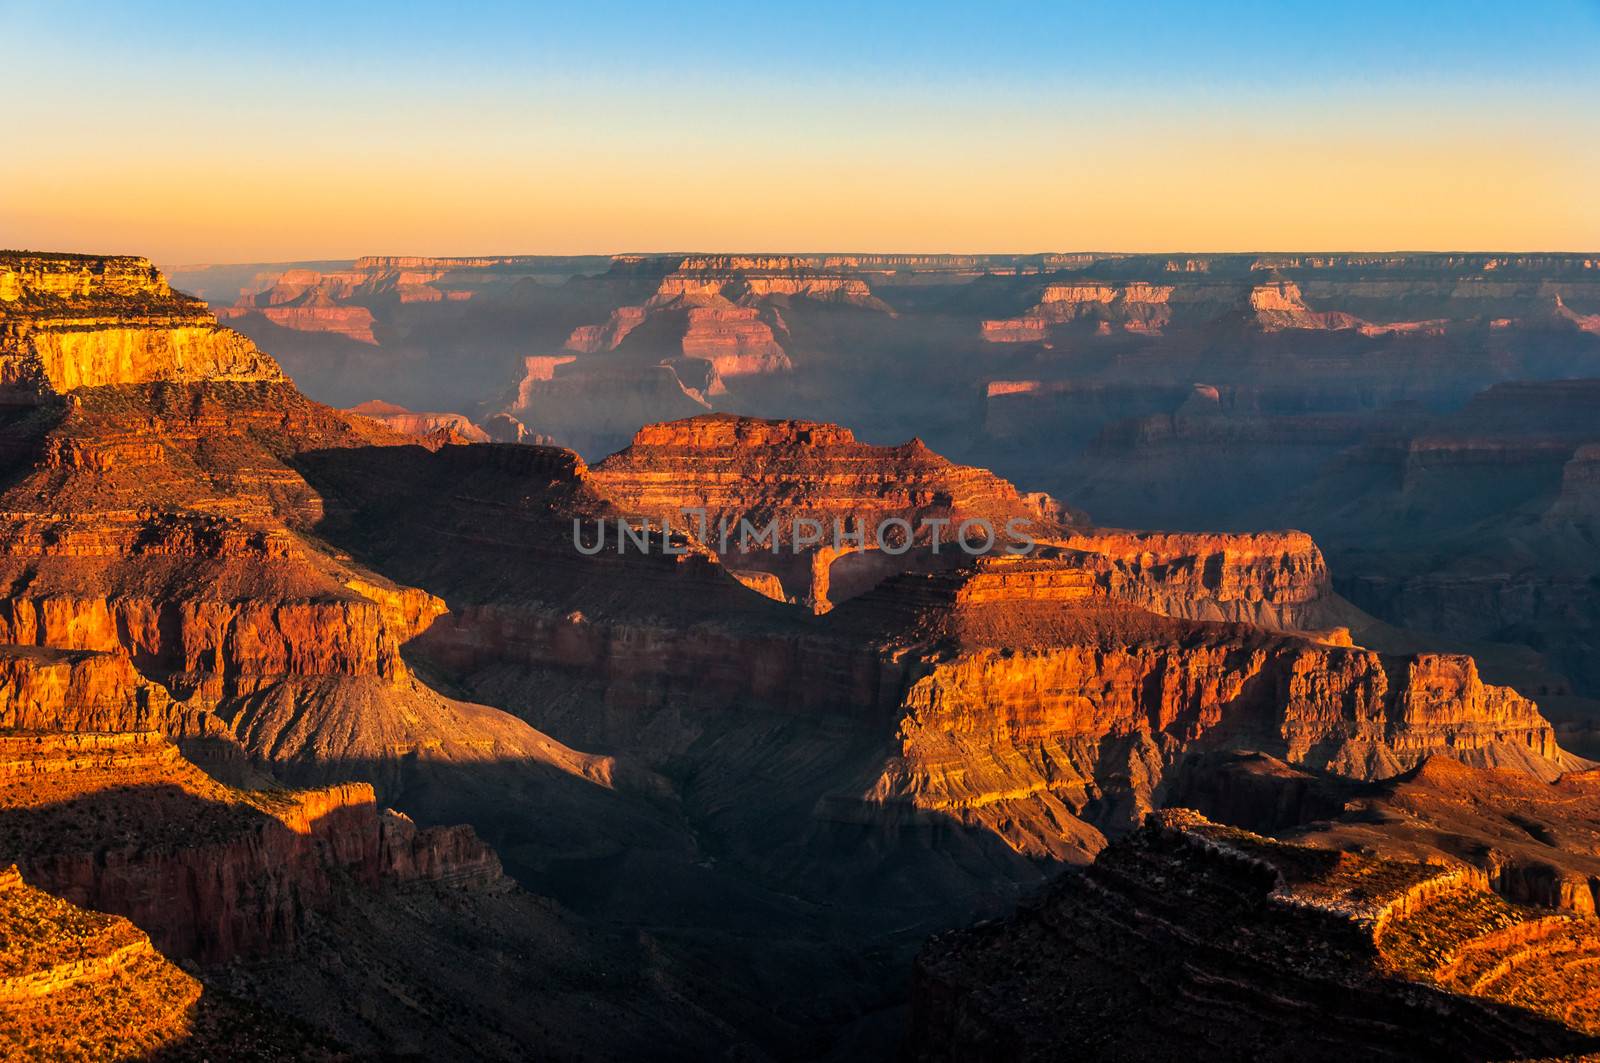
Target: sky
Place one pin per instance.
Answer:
(197, 132)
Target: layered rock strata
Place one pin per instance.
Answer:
(1196, 941)
(167, 527)
(122, 823)
(1035, 699)
(1271, 579)
(69, 321)
(1036, 708)
(433, 429)
(818, 495)
(1536, 841)
(80, 985)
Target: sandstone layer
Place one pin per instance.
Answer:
(1037, 708)
(69, 321)
(816, 494)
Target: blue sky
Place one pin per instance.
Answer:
(1234, 44)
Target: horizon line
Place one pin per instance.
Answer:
(1463, 251)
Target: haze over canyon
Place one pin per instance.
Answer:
(320, 739)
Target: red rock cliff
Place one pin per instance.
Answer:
(70, 321)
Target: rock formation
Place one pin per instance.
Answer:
(297, 891)
(165, 525)
(1536, 840)
(1579, 500)
(1300, 339)
(82, 985)
(1197, 941)
(1280, 306)
(1149, 308)
(595, 404)
(823, 494)
(1039, 710)
(743, 467)
(89, 985)
(708, 323)
(318, 315)
(434, 429)
(69, 321)
(733, 339)
(1271, 579)
(122, 823)
(1134, 307)
(1037, 699)
(1476, 527)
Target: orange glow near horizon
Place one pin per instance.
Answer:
(1168, 197)
(1418, 130)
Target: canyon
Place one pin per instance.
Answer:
(1375, 401)
(332, 707)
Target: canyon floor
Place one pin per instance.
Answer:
(321, 736)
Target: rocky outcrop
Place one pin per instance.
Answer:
(72, 321)
(352, 322)
(114, 586)
(735, 340)
(1034, 711)
(77, 690)
(1579, 500)
(504, 428)
(453, 856)
(1281, 306)
(1198, 941)
(1535, 841)
(1136, 307)
(1583, 322)
(167, 528)
(823, 494)
(213, 873)
(166, 539)
(306, 300)
(1147, 308)
(705, 322)
(753, 278)
(738, 468)
(434, 429)
(592, 339)
(81, 985)
(1271, 579)
(122, 823)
